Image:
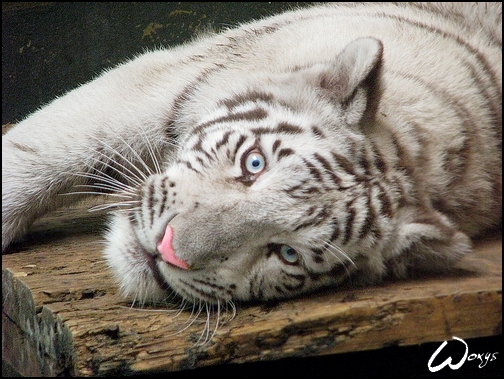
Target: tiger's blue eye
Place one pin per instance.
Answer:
(255, 162)
(288, 254)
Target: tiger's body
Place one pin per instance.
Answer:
(333, 143)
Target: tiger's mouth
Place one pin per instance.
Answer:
(153, 265)
(155, 262)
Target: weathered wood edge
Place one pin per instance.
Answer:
(35, 342)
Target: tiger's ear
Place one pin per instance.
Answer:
(352, 79)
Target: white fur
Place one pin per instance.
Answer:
(420, 77)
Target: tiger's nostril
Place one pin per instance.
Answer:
(167, 252)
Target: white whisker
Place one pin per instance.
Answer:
(104, 178)
(148, 170)
(190, 320)
(206, 328)
(217, 321)
(137, 179)
(152, 155)
(97, 193)
(128, 204)
(335, 250)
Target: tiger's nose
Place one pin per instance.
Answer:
(165, 248)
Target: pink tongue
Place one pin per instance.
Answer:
(165, 248)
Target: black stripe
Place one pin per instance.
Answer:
(336, 230)
(304, 192)
(254, 96)
(212, 295)
(164, 192)
(386, 203)
(315, 173)
(199, 148)
(379, 162)
(363, 161)
(328, 169)
(284, 153)
(282, 128)
(317, 132)
(276, 145)
(369, 221)
(188, 165)
(298, 277)
(255, 114)
(223, 141)
(202, 163)
(287, 128)
(294, 188)
(344, 163)
(403, 163)
(493, 100)
(322, 215)
(184, 95)
(150, 201)
(211, 285)
(151, 263)
(239, 143)
(311, 210)
(349, 223)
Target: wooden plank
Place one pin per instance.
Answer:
(35, 341)
(61, 263)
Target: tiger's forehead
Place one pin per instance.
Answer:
(260, 112)
(236, 133)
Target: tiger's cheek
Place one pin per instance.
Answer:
(271, 279)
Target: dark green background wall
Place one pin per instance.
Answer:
(49, 48)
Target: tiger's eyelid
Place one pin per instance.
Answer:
(254, 146)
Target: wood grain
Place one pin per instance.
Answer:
(78, 324)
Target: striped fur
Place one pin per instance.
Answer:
(373, 134)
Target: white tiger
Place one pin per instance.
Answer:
(344, 141)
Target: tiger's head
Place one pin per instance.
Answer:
(264, 197)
